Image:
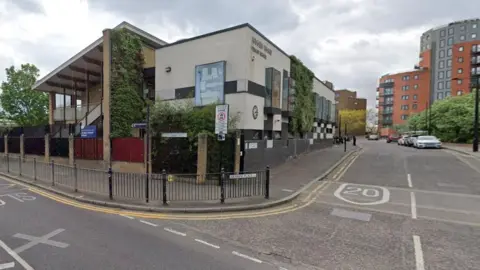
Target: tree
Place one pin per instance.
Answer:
(372, 121)
(20, 103)
(354, 119)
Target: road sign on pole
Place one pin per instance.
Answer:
(221, 119)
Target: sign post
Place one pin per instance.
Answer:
(221, 126)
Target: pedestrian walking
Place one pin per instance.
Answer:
(354, 140)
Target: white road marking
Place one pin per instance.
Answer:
(450, 185)
(287, 190)
(148, 223)
(206, 243)
(420, 265)
(125, 216)
(15, 256)
(7, 265)
(413, 204)
(370, 192)
(246, 257)
(40, 240)
(409, 179)
(175, 232)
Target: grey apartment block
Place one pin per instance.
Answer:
(440, 41)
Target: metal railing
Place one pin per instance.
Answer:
(162, 187)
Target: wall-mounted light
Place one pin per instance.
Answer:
(168, 69)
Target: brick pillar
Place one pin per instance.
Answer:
(5, 142)
(51, 107)
(202, 151)
(237, 151)
(71, 153)
(107, 53)
(47, 148)
(22, 146)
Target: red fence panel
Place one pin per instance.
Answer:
(128, 149)
(88, 148)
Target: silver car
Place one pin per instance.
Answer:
(427, 142)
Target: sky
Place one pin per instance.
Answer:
(348, 42)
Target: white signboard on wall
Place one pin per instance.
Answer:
(221, 119)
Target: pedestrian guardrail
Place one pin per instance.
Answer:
(162, 187)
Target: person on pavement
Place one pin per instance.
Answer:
(354, 140)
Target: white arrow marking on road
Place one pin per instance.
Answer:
(15, 256)
(7, 265)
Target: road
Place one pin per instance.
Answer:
(386, 207)
(38, 233)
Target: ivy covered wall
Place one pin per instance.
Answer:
(304, 110)
(127, 104)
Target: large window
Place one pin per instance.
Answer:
(285, 91)
(272, 87)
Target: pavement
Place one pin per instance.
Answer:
(286, 182)
(462, 148)
(387, 207)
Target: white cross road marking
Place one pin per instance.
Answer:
(7, 265)
(246, 257)
(15, 256)
(417, 244)
(40, 240)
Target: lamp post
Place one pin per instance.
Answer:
(475, 117)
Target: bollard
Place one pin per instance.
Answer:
(267, 182)
(34, 169)
(110, 186)
(53, 173)
(20, 165)
(222, 185)
(8, 164)
(345, 145)
(164, 186)
(75, 177)
(147, 187)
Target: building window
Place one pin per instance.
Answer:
(450, 41)
(460, 71)
(474, 25)
(440, 95)
(474, 36)
(441, 64)
(405, 87)
(414, 106)
(442, 33)
(404, 107)
(460, 59)
(449, 74)
(449, 52)
(388, 91)
(460, 49)
(441, 53)
(459, 81)
(459, 92)
(405, 97)
(450, 31)
(440, 85)
(462, 28)
(441, 74)
(415, 77)
(442, 43)
(406, 78)
(415, 86)
(404, 117)
(449, 62)
(415, 97)
(448, 85)
(447, 94)
(462, 37)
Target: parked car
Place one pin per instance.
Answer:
(403, 140)
(427, 142)
(392, 138)
(411, 140)
(373, 137)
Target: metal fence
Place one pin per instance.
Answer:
(162, 187)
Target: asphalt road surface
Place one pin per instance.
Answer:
(391, 207)
(38, 233)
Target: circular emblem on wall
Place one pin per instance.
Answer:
(255, 112)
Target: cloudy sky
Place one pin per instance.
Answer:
(348, 42)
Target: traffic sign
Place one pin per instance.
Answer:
(174, 135)
(221, 119)
(139, 125)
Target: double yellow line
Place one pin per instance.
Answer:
(308, 200)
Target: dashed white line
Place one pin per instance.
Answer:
(287, 190)
(148, 223)
(125, 216)
(175, 232)
(246, 257)
(420, 265)
(413, 204)
(409, 179)
(206, 243)
(7, 265)
(15, 256)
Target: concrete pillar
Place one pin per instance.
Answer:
(22, 146)
(107, 57)
(6, 144)
(202, 151)
(47, 148)
(71, 152)
(51, 107)
(237, 151)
